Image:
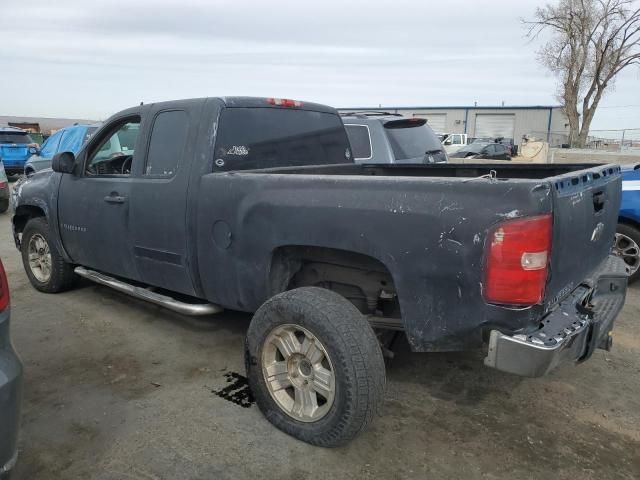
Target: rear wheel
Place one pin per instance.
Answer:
(4, 205)
(315, 366)
(627, 247)
(46, 269)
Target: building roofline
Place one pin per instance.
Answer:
(458, 107)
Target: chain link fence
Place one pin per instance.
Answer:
(607, 140)
(614, 140)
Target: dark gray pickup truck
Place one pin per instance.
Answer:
(256, 205)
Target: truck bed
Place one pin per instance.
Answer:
(502, 170)
(427, 225)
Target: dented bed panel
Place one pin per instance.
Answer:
(428, 232)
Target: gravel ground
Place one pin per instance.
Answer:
(119, 389)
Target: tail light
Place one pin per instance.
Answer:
(284, 102)
(518, 253)
(3, 184)
(4, 289)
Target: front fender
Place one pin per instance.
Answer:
(38, 196)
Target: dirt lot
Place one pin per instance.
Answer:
(119, 389)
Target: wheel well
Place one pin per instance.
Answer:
(23, 214)
(363, 280)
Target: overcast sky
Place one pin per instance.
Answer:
(91, 58)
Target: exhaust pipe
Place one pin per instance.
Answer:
(193, 309)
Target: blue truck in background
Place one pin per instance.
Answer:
(68, 139)
(16, 146)
(627, 244)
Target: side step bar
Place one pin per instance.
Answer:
(194, 309)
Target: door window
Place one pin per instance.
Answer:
(114, 154)
(360, 141)
(457, 139)
(168, 139)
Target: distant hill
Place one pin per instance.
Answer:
(46, 124)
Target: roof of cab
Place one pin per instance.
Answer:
(241, 102)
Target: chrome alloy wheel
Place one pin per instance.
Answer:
(39, 258)
(627, 249)
(298, 372)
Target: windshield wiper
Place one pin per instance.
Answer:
(431, 152)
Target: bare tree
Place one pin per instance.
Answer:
(591, 42)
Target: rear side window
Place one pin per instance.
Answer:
(252, 138)
(168, 139)
(411, 138)
(360, 140)
(15, 137)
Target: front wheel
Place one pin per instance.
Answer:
(46, 269)
(627, 247)
(315, 366)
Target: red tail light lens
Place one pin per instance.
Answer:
(518, 253)
(4, 289)
(284, 102)
(3, 184)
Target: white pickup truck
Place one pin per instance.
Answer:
(453, 141)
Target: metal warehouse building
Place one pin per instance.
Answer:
(544, 122)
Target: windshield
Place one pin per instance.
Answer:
(275, 137)
(410, 139)
(15, 137)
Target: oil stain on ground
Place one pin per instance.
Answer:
(237, 391)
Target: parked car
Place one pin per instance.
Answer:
(5, 191)
(381, 137)
(10, 386)
(15, 148)
(627, 244)
(508, 143)
(256, 205)
(68, 139)
(490, 151)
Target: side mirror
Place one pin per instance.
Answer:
(447, 141)
(63, 162)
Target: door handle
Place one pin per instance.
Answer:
(115, 199)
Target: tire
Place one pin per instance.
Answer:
(349, 349)
(61, 276)
(627, 246)
(4, 205)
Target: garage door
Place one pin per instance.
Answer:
(495, 125)
(437, 121)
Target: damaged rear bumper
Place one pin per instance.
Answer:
(579, 324)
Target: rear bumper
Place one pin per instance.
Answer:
(579, 324)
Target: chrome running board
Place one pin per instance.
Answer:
(194, 309)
